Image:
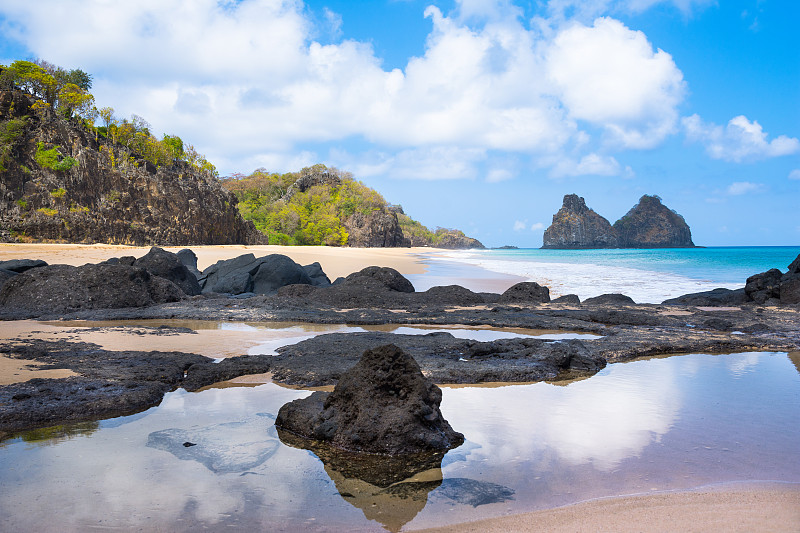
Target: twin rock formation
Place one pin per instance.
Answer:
(649, 224)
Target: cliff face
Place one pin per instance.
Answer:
(649, 224)
(577, 226)
(106, 194)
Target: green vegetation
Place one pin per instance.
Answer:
(58, 193)
(47, 211)
(51, 159)
(22, 203)
(67, 93)
(10, 131)
(319, 214)
(311, 217)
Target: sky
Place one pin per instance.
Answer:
(472, 114)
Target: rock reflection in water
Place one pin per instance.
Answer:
(222, 448)
(392, 490)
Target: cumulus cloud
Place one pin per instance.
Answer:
(610, 76)
(520, 225)
(537, 226)
(249, 82)
(588, 165)
(740, 140)
(794, 174)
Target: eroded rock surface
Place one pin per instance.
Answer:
(382, 405)
(577, 226)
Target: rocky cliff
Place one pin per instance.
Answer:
(61, 182)
(577, 226)
(649, 224)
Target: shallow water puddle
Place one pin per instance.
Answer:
(220, 339)
(214, 459)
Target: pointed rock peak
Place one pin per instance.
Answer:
(575, 203)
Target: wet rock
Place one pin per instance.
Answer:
(5, 275)
(713, 298)
(526, 292)
(388, 277)
(610, 299)
(761, 287)
(246, 273)
(19, 266)
(189, 260)
(61, 288)
(571, 299)
(719, 324)
(382, 405)
(317, 275)
(790, 291)
(449, 295)
(167, 265)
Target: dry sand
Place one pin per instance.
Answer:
(335, 262)
(733, 508)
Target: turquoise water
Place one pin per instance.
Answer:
(650, 275)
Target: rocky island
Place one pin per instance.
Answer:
(649, 224)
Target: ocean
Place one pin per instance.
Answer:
(647, 276)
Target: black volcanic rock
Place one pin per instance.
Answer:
(382, 405)
(577, 226)
(389, 277)
(610, 299)
(19, 266)
(61, 288)
(764, 286)
(650, 224)
(246, 273)
(110, 194)
(169, 266)
(713, 298)
(526, 291)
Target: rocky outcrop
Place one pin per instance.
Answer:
(263, 275)
(526, 291)
(382, 405)
(454, 239)
(64, 288)
(772, 287)
(378, 229)
(109, 194)
(577, 226)
(649, 224)
(160, 262)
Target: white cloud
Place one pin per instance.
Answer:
(794, 174)
(744, 187)
(589, 165)
(609, 76)
(537, 226)
(246, 83)
(740, 140)
(520, 225)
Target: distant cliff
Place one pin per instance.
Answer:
(577, 226)
(649, 224)
(321, 205)
(62, 181)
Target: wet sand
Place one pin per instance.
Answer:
(744, 508)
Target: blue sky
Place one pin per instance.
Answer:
(474, 114)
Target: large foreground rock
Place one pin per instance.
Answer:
(382, 405)
(62, 288)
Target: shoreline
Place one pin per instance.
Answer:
(335, 261)
(731, 506)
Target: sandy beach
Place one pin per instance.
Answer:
(737, 507)
(335, 262)
(729, 508)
